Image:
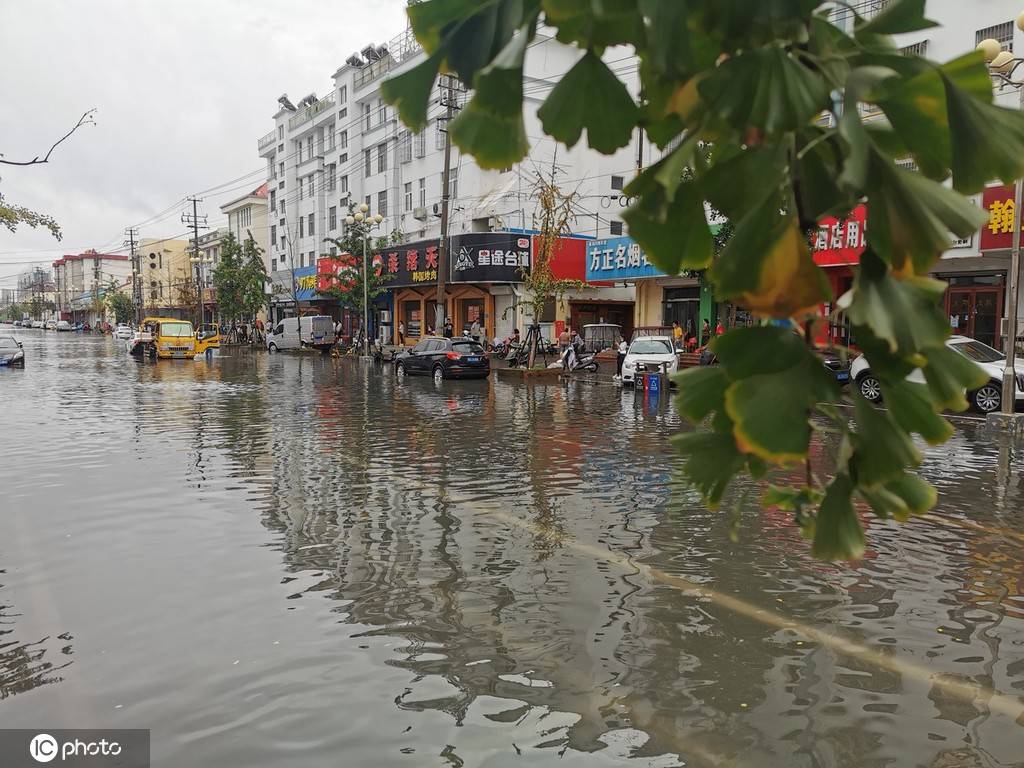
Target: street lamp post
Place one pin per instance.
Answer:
(1002, 66)
(362, 216)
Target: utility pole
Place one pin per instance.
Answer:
(448, 100)
(132, 233)
(196, 221)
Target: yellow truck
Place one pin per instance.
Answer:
(170, 338)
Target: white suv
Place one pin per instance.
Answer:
(987, 398)
(651, 352)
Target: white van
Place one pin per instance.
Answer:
(313, 331)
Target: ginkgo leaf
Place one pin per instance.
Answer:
(711, 462)
(882, 450)
(838, 534)
(911, 405)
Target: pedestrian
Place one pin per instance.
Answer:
(719, 328)
(448, 329)
(677, 335)
(401, 334)
(705, 333)
(563, 339)
(474, 330)
(623, 348)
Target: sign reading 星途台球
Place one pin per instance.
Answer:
(618, 258)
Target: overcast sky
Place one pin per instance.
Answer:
(183, 91)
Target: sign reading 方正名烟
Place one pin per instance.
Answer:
(618, 258)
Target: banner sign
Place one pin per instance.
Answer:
(490, 257)
(616, 259)
(998, 203)
(840, 242)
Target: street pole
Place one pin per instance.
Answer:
(136, 276)
(366, 298)
(442, 251)
(1009, 399)
(194, 222)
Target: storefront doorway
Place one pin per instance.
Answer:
(974, 305)
(616, 313)
(682, 305)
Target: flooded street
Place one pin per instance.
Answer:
(297, 561)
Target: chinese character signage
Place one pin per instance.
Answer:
(840, 241)
(484, 257)
(618, 258)
(342, 270)
(998, 204)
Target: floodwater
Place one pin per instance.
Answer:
(293, 561)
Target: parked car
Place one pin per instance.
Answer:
(17, 323)
(458, 358)
(987, 398)
(311, 331)
(649, 353)
(123, 331)
(38, 324)
(50, 325)
(63, 325)
(11, 352)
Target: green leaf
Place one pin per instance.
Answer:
(595, 23)
(988, 140)
(675, 235)
(590, 96)
(711, 462)
(903, 313)
(790, 499)
(898, 17)
(410, 92)
(765, 88)
(881, 448)
(916, 108)
(701, 391)
(734, 200)
(837, 533)
(430, 21)
(900, 498)
(859, 83)
(912, 216)
(948, 375)
(748, 351)
(911, 405)
(771, 411)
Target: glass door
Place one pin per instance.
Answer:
(986, 318)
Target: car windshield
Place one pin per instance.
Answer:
(467, 348)
(8, 343)
(175, 329)
(978, 352)
(650, 347)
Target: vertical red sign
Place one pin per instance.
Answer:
(840, 241)
(998, 204)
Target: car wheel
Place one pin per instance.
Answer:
(438, 374)
(870, 388)
(272, 347)
(400, 370)
(987, 399)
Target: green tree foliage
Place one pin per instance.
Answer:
(119, 303)
(240, 279)
(778, 90)
(13, 311)
(348, 287)
(12, 215)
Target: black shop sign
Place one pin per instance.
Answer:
(484, 257)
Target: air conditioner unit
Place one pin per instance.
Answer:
(436, 209)
(420, 214)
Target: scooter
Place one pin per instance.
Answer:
(573, 360)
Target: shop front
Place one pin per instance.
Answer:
(294, 292)
(482, 267)
(836, 248)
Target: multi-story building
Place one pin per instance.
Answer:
(81, 280)
(347, 148)
(167, 277)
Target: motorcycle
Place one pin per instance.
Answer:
(575, 359)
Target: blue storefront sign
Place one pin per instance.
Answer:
(618, 258)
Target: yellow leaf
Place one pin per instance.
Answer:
(790, 284)
(685, 99)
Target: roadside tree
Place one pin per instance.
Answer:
(119, 302)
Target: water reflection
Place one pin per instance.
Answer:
(463, 572)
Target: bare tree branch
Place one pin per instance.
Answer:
(86, 119)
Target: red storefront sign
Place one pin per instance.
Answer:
(998, 204)
(840, 242)
(341, 270)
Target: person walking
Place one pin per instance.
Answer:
(621, 358)
(677, 335)
(448, 331)
(705, 333)
(401, 334)
(474, 331)
(563, 339)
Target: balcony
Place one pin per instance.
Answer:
(399, 50)
(266, 141)
(308, 113)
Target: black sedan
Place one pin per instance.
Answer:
(458, 358)
(11, 353)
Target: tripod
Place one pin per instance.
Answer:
(522, 355)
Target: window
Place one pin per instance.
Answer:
(343, 140)
(283, 244)
(382, 203)
(332, 178)
(408, 196)
(617, 182)
(1003, 33)
(280, 132)
(334, 250)
(244, 216)
(343, 94)
(439, 134)
(366, 116)
(405, 147)
(332, 218)
(302, 189)
(423, 193)
(343, 181)
(273, 201)
(421, 144)
(282, 207)
(367, 201)
(273, 265)
(280, 169)
(312, 258)
(382, 157)
(343, 113)
(298, 146)
(917, 49)
(273, 234)
(309, 147)
(302, 227)
(906, 163)
(381, 112)
(453, 183)
(367, 163)
(310, 227)
(615, 227)
(330, 138)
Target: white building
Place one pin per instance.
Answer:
(81, 280)
(348, 147)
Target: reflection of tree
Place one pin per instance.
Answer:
(23, 665)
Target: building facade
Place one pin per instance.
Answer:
(82, 279)
(168, 278)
